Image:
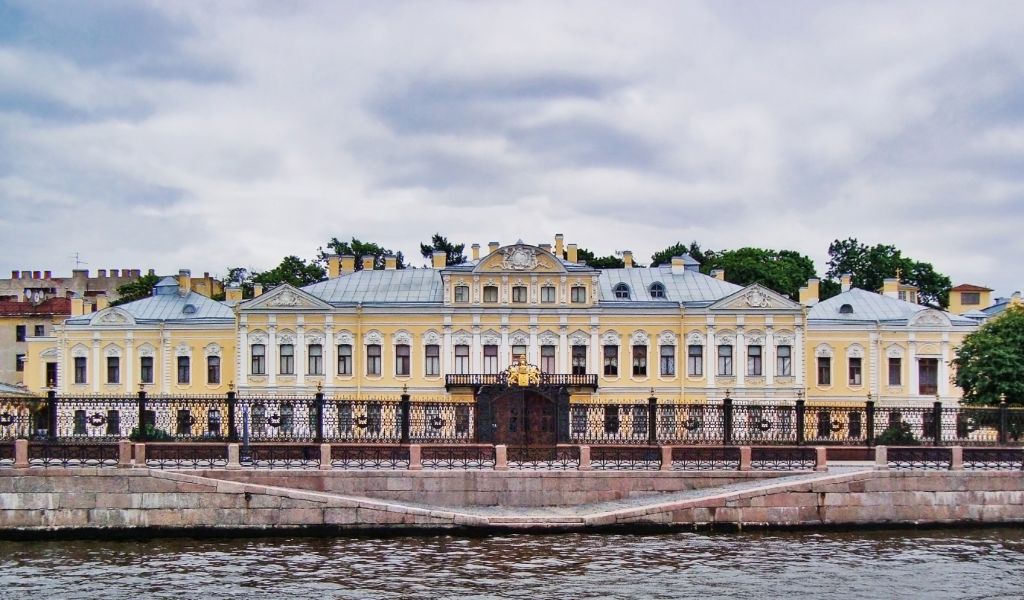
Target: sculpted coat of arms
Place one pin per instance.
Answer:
(520, 258)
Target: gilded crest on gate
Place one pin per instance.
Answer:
(522, 374)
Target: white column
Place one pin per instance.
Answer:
(596, 353)
(504, 351)
(129, 361)
(476, 351)
(242, 356)
(768, 352)
(300, 355)
(563, 350)
(533, 351)
(943, 371)
(740, 358)
(97, 368)
(330, 356)
(165, 362)
(875, 369)
(446, 354)
(912, 365)
(272, 355)
(709, 357)
(801, 360)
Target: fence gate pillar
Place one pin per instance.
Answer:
(745, 458)
(956, 462)
(20, 454)
(415, 457)
(325, 457)
(584, 458)
(124, 454)
(881, 458)
(501, 457)
(666, 458)
(233, 457)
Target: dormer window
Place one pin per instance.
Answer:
(490, 293)
(190, 309)
(519, 293)
(657, 290)
(621, 291)
(462, 293)
(846, 309)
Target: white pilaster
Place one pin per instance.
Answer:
(943, 371)
(799, 360)
(446, 354)
(301, 355)
(330, 356)
(273, 355)
(563, 350)
(97, 367)
(768, 352)
(533, 350)
(129, 362)
(740, 358)
(242, 364)
(710, 354)
(914, 388)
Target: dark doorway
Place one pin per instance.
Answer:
(928, 376)
(525, 418)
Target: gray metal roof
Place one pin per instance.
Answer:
(869, 306)
(688, 286)
(172, 308)
(387, 286)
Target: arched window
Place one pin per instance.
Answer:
(621, 291)
(657, 290)
(846, 309)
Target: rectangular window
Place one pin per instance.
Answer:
(213, 370)
(547, 359)
(490, 293)
(754, 361)
(668, 361)
(184, 376)
(462, 359)
(19, 333)
(287, 359)
(695, 360)
(611, 361)
(970, 298)
(40, 330)
(519, 293)
(824, 370)
(490, 359)
(19, 362)
(579, 360)
(578, 294)
(784, 361)
(51, 374)
(928, 376)
(315, 359)
(895, 370)
(113, 369)
(402, 360)
(547, 294)
(373, 359)
(518, 351)
(462, 293)
(344, 359)
(725, 360)
(432, 360)
(854, 370)
(146, 369)
(639, 361)
(259, 359)
(80, 369)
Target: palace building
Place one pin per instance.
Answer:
(447, 331)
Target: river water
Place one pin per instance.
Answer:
(936, 564)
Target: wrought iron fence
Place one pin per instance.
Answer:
(920, 457)
(625, 458)
(769, 458)
(609, 424)
(373, 456)
(550, 458)
(994, 459)
(280, 456)
(458, 457)
(442, 422)
(186, 456)
(6, 454)
(707, 458)
(73, 455)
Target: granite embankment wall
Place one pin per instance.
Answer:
(80, 501)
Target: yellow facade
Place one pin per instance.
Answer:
(671, 331)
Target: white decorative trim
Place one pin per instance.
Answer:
(345, 337)
(855, 351)
(548, 338)
(519, 258)
(639, 338)
(579, 338)
(930, 317)
(80, 351)
(519, 338)
(894, 351)
(285, 337)
(726, 340)
(212, 349)
(50, 353)
(755, 337)
(373, 337)
(461, 338)
(490, 338)
(402, 337)
(823, 350)
(431, 338)
(183, 349)
(784, 338)
(695, 338)
(756, 298)
(258, 337)
(146, 349)
(610, 338)
(286, 299)
(112, 350)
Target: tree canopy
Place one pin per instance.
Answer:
(990, 362)
(871, 265)
(664, 257)
(292, 270)
(453, 252)
(136, 290)
(599, 262)
(781, 270)
(359, 249)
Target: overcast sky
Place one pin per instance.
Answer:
(206, 135)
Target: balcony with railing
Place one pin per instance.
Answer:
(557, 379)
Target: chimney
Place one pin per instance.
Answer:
(333, 266)
(678, 265)
(136, 273)
(150, 272)
(184, 282)
(101, 273)
(348, 264)
(545, 247)
(559, 239)
(627, 258)
(440, 259)
(77, 306)
(845, 282)
(257, 290)
(47, 274)
(36, 275)
(572, 255)
(101, 301)
(233, 293)
(492, 247)
(368, 262)
(476, 251)
(114, 272)
(15, 275)
(809, 293)
(890, 287)
(718, 274)
(390, 262)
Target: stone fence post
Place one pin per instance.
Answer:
(234, 457)
(881, 458)
(584, 458)
(744, 458)
(501, 457)
(124, 454)
(666, 458)
(415, 457)
(20, 454)
(820, 458)
(325, 454)
(956, 462)
(140, 454)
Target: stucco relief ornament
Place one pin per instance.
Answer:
(431, 337)
(113, 317)
(520, 258)
(579, 339)
(373, 337)
(757, 299)
(286, 298)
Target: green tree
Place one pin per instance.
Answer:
(781, 270)
(664, 257)
(240, 277)
(136, 290)
(990, 362)
(871, 265)
(453, 252)
(293, 271)
(599, 262)
(359, 249)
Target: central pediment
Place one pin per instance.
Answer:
(520, 258)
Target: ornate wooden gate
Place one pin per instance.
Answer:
(522, 416)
